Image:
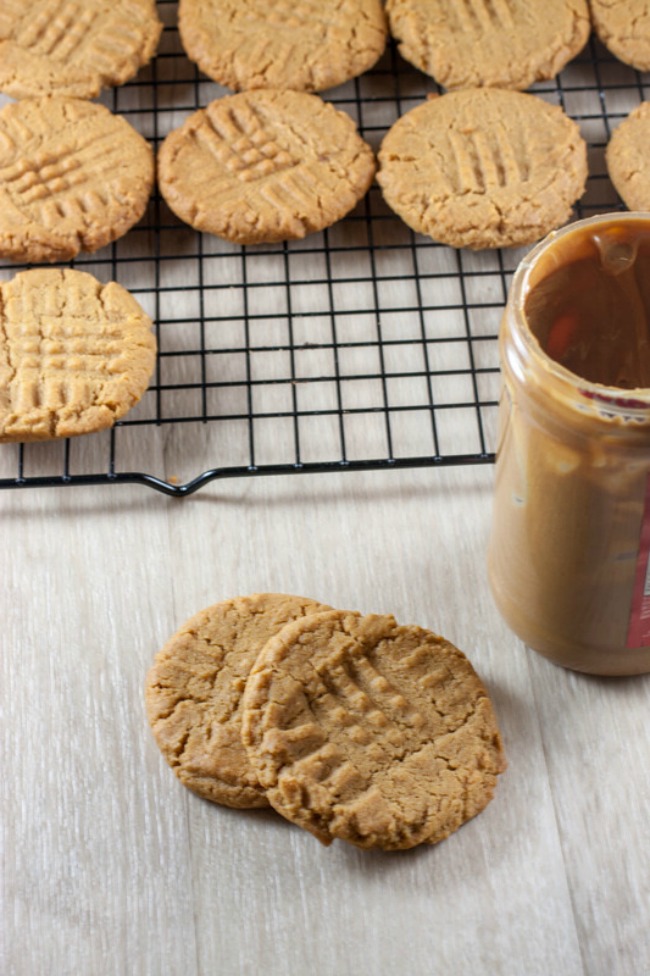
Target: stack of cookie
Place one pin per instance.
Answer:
(350, 726)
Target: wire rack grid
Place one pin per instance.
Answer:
(363, 347)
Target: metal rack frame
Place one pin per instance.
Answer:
(371, 322)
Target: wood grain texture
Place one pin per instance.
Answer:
(111, 867)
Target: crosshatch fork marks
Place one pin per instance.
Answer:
(483, 160)
(370, 732)
(56, 30)
(49, 175)
(278, 165)
(364, 693)
(72, 176)
(66, 31)
(242, 144)
(80, 354)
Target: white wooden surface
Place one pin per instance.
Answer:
(111, 868)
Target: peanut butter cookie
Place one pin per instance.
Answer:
(483, 168)
(498, 43)
(194, 691)
(628, 158)
(73, 177)
(304, 45)
(75, 354)
(369, 732)
(74, 47)
(264, 166)
(624, 28)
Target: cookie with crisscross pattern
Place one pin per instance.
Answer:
(378, 734)
(75, 354)
(74, 47)
(73, 177)
(265, 166)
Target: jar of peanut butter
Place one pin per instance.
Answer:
(569, 554)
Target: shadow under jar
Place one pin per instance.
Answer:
(569, 553)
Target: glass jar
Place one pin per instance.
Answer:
(569, 552)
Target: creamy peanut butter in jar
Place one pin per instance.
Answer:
(569, 554)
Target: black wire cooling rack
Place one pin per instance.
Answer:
(362, 347)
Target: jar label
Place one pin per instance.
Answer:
(638, 634)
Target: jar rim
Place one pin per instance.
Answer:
(614, 399)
